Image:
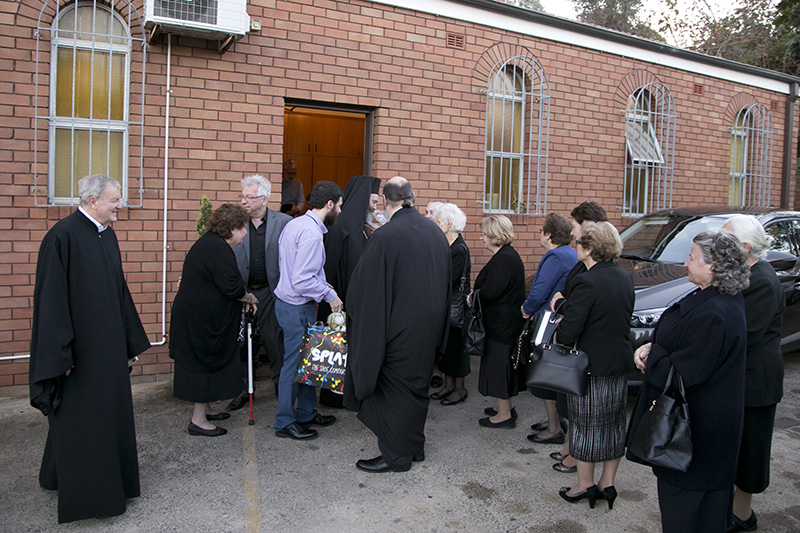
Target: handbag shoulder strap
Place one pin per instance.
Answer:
(464, 270)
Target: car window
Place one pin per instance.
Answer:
(781, 237)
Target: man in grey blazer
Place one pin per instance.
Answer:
(257, 259)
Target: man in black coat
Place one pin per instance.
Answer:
(257, 259)
(398, 300)
(86, 331)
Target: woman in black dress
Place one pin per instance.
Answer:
(454, 364)
(704, 337)
(502, 287)
(764, 304)
(206, 318)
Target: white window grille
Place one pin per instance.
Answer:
(751, 157)
(517, 132)
(649, 139)
(89, 113)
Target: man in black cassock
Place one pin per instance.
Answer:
(398, 300)
(85, 332)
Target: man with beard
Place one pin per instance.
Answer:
(398, 300)
(301, 258)
(257, 259)
(86, 332)
(343, 245)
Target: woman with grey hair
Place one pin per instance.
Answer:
(454, 364)
(703, 338)
(596, 318)
(764, 304)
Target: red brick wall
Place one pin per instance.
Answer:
(226, 120)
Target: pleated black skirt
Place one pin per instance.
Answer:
(597, 420)
(497, 378)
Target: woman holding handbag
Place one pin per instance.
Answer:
(596, 318)
(703, 337)
(551, 274)
(502, 286)
(454, 364)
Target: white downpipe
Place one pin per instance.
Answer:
(165, 246)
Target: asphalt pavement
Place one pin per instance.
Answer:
(474, 479)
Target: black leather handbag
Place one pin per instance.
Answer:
(473, 333)
(559, 368)
(522, 351)
(663, 436)
(458, 300)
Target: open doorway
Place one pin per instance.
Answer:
(327, 143)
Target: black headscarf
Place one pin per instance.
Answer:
(345, 240)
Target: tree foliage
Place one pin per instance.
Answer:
(205, 211)
(752, 33)
(535, 5)
(619, 15)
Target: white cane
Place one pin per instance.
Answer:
(250, 366)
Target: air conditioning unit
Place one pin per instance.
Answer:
(205, 19)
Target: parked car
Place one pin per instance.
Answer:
(657, 245)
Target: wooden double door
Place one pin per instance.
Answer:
(326, 145)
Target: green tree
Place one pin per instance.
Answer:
(753, 33)
(536, 5)
(205, 211)
(619, 15)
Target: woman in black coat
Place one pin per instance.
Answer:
(764, 304)
(703, 337)
(501, 283)
(596, 318)
(454, 363)
(206, 317)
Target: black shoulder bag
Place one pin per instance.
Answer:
(458, 300)
(474, 331)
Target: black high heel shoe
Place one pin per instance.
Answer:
(591, 494)
(609, 494)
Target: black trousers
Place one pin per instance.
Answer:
(271, 333)
(694, 511)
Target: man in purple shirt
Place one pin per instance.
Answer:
(301, 258)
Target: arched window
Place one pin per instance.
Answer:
(517, 129)
(89, 106)
(649, 137)
(751, 157)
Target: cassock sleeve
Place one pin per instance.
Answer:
(369, 302)
(135, 336)
(52, 334)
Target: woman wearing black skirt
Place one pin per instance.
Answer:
(206, 318)
(597, 320)
(454, 364)
(502, 287)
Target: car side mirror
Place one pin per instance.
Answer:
(781, 261)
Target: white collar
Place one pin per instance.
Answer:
(100, 227)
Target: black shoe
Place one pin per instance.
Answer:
(505, 424)
(564, 469)
(541, 426)
(379, 465)
(296, 431)
(448, 401)
(441, 395)
(751, 524)
(218, 416)
(558, 438)
(491, 411)
(436, 382)
(239, 401)
(609, 494)
(319, 420)
(557, 456)
(591, 494)
(198, 431)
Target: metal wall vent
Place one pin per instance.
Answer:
(699, 89)
(455, 40)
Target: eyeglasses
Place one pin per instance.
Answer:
(250, 197)
(578, 242)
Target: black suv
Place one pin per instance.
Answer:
(657, 245)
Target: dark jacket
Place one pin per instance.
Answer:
(764, 304)
(275, 224)
(502, 285)
(703, 336)
(597, 316)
